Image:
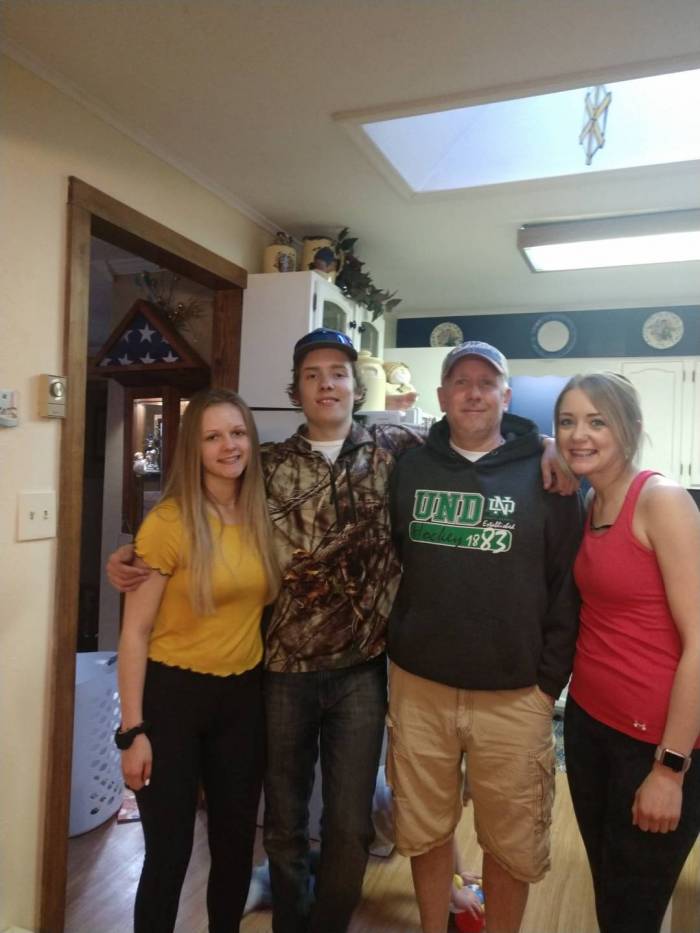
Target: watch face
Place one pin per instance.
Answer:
(673, 760)
(446, 334)
(662, 329)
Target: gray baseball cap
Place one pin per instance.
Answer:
(475, 348)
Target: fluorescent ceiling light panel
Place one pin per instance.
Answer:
(673, 236)
(650, 122)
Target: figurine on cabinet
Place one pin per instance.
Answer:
(400, 394)
(140, 463)
(152, 455)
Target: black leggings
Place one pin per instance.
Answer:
(211, 730)
(634, 872)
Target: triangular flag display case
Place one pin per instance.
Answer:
(159, 371)
(145, 349)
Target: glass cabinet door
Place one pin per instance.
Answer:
(146, 454)
(335, 317)
(369, 338)
(371, 332)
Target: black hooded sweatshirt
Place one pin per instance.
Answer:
(487, 599)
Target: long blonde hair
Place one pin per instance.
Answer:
(185, 484)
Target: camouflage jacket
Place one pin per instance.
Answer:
(339, 569)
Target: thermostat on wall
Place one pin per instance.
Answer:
(52, 396)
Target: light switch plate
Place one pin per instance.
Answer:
(36, 517)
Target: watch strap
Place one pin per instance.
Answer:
(669, 758)
(125, 739)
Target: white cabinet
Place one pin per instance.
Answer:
(278, 309)
(659, 383)
(692, 423)
(669, 394)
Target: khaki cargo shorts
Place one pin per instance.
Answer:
(506, 736)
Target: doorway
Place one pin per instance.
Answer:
(93, 213)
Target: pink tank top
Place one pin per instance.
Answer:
(628, 646)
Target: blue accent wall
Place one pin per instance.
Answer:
(595, 333)
(534, 397)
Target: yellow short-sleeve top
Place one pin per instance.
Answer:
(227, 642)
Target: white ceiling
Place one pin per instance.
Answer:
(245, 97)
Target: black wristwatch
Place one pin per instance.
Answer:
(673, 760)
(124, 740)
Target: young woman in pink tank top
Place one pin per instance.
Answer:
(632, 721)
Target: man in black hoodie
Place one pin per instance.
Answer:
(481, 639)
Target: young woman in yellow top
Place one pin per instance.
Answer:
(190, 676)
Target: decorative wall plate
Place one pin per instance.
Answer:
(446, 334)
(553, 335)
(662, 330)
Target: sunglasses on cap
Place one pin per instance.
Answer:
(322, 338)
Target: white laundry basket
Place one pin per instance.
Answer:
(96, 788)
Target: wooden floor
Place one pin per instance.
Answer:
(104, 867)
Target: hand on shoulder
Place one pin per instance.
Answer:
(121, 572)
(556, 475)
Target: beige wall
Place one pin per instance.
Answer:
(45, 138)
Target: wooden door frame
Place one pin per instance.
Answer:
(93, 213)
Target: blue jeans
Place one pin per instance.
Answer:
(342, 711)
(634, 872)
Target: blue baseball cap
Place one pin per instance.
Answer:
(323, 338)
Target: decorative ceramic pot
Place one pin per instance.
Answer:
(311, 246)
(279, 258)
(371, 372)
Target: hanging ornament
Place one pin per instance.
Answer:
(592, 136)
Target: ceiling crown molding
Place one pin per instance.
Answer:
(65, 86)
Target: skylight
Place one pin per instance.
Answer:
(651, 121)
